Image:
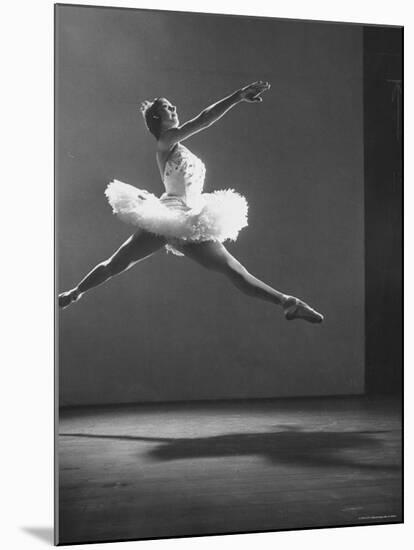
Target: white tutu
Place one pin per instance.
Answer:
(216, 216)
(184, 213)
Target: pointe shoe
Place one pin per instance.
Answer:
(296, 309)
(67, 298)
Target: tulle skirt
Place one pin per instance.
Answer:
(217, 216)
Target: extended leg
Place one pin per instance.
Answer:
(216, 257)
(139, 246)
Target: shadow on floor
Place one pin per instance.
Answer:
(290, 445)
(45, 534)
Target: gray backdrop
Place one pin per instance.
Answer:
(167, 329)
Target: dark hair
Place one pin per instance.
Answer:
(150, 112)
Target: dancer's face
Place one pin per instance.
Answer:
(168, 114)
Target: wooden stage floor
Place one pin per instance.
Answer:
(146, 471)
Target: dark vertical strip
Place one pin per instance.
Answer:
(383, 150)
(55, 312)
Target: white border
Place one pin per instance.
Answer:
(27, 264)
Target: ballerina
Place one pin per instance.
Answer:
(184, 220)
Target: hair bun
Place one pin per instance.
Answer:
(151, 117)
(145, 105)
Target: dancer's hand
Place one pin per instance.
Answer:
(253, 91)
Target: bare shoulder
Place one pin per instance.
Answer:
(162, 155)
(167, 140)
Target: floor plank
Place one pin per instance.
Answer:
(165, 470)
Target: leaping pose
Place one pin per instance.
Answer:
(184, 220)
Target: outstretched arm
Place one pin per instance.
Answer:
(212, 114)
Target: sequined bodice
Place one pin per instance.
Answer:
(184, 174)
